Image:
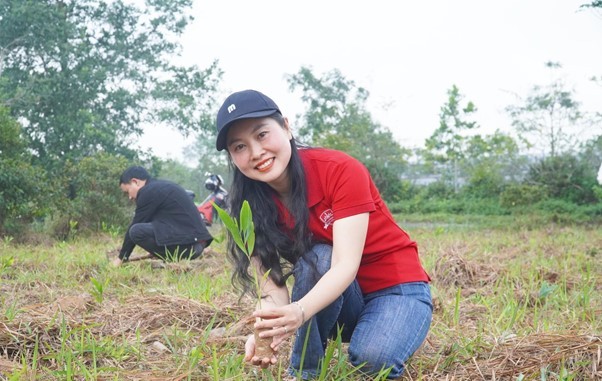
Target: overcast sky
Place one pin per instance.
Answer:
(406, 54)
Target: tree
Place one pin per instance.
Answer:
(208, 160)
(593, 4)
(189, 178)
(336, 117)
(447, 144)
(490, 161)
(591, 154)
(85, 75)
(100, 204)
(548, 118)
(328, 99)
(22, 192)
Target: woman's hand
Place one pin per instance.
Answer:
(281, 322)
(250, 354)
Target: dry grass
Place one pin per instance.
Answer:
(509, 357)
(472, 278)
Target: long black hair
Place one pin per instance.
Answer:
(277, 246)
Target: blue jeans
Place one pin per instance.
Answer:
(383, 328)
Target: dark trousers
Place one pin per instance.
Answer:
(143, 235)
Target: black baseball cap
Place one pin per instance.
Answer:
(241, 105)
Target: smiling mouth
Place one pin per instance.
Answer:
(265, 165)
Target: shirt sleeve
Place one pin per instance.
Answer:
(127, 247)
(350, 188)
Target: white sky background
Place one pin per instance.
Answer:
(406, 54)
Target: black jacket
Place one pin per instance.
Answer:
(172, 212)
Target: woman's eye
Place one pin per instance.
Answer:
(238, 147)
(262, 134)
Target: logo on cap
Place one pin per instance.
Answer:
(231, 108)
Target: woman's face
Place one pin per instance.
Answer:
(261, 149)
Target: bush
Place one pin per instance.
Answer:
(93, 200)
(520, 195)
(22, 196)
(566, 212)
(476, 206)
(564, 177)
(483, 183)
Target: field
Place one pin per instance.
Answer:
(512, 302)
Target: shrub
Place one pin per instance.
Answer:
(520, 195)
(22, 192)
(565, 177)
(483, 183)
(93, 201)
(22, 195)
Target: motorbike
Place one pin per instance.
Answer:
(218, 195)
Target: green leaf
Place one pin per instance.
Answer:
(246, 218)
(546, 289)
(247, 227)
(97, 285)
(232, 227)
(251, 239)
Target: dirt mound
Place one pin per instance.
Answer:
(452, 270)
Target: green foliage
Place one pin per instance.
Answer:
(336, 118)
(558, 207)
(447, 144)
(188, 178)
(243, 234)
(483, 183)
(208, 160)
(593, 4)
(11, 141)
(98, 289)
(452, 206)
(565, 212)
(328, 100)
(5, 263)
(22, 195)
(387, 181)
(497, 154)
(23, 187)
(85, 74)
(564, 177)
(548, 117)
(597, 190)
(520, 195)
(95, 200)
(436, 190)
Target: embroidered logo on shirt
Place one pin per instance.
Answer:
(327, 218)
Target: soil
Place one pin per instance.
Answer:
(262, 345)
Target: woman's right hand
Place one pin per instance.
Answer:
(250, 355)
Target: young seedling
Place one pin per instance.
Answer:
(243, 234)
(98, 289)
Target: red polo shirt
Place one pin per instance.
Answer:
(340, 186)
